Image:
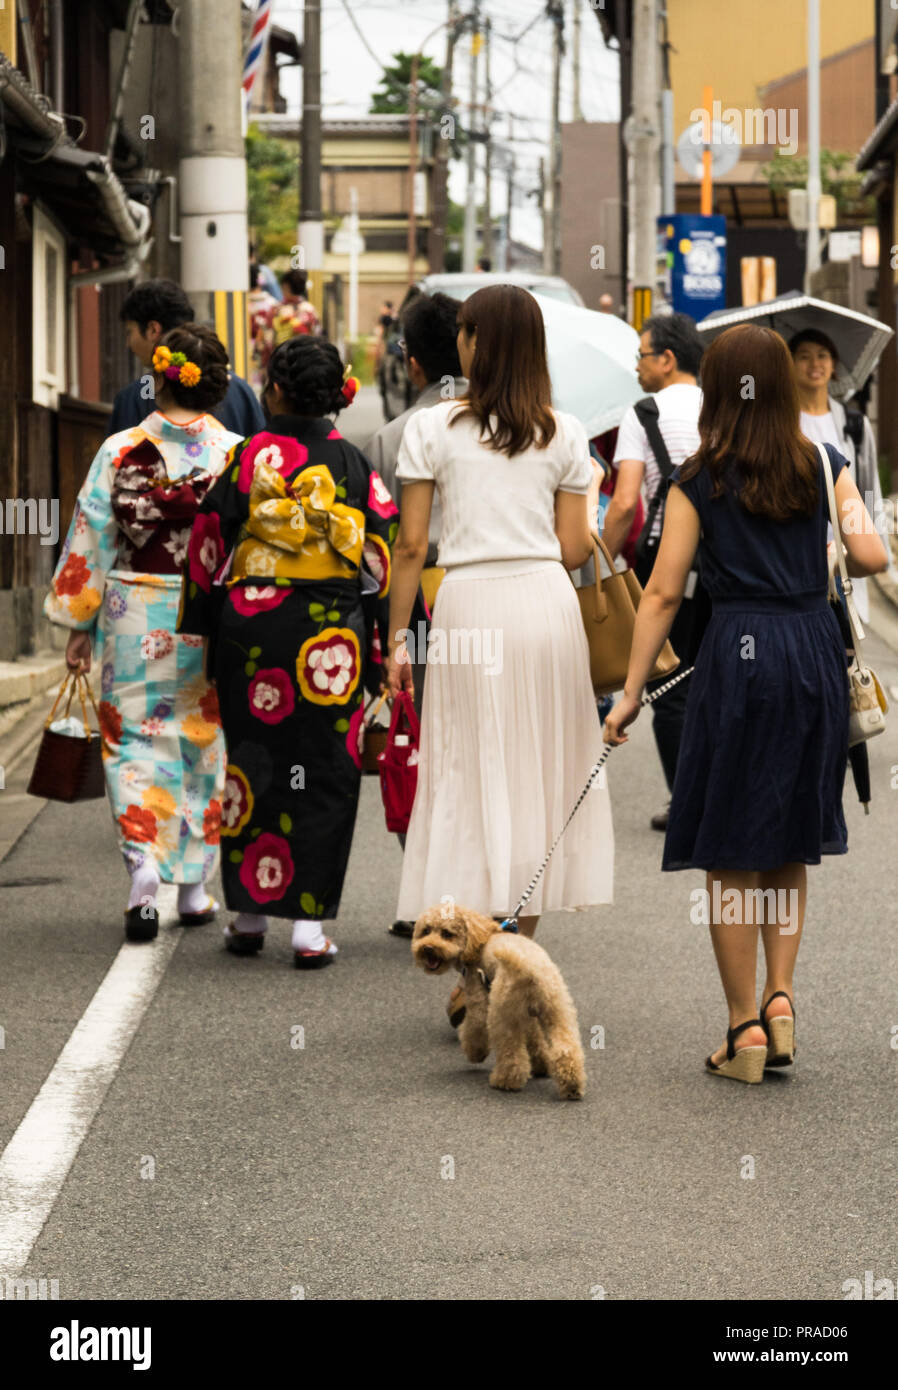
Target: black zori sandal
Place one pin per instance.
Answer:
(244, 943)
(141, 923)
(745, 1065)
(780, 1033)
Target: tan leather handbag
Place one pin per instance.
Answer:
(608, 608)
(867, 704)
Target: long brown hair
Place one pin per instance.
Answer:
(509, 391)
(750, 414)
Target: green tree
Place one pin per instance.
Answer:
(390, 98)
(272, 172)
(838, 177)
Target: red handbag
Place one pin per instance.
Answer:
(399, 764)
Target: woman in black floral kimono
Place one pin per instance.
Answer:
(296, 529)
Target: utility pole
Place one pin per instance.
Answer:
(577, 113)
(212, 172)
(354, 264)
(552, 253)
(547, 218)
(668, 186)
(643, 150)
(469, 252)
(812, 254)
(311, 222)
(412, 167)
(506, 244)
(436, 249)
(488, 145)
(623, 29)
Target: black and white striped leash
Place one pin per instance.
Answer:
(511, 922)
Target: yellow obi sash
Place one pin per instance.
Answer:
(298, 530)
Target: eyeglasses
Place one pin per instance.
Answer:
(640, 355)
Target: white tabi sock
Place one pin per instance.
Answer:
(247, 924)
(308, 936)
(144, 884)
(194, 898)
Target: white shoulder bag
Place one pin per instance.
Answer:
(867, 704)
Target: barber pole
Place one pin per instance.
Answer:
(257, 45)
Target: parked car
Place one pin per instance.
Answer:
(460, 286)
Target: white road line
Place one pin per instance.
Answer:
(36, 1161)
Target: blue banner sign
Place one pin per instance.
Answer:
(693, 250)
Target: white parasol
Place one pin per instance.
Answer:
(859, 339)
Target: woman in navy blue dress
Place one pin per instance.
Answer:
(758, 791)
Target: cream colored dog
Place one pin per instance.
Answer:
(516, 1002)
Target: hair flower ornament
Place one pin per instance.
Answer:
(176, 367)
(190, 374)
(349, 388)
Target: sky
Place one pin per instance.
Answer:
(520, 69)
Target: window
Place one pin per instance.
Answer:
(48, 303)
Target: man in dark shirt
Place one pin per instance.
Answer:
(150, 310)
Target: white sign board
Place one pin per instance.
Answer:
(342, 240)
(842, 246)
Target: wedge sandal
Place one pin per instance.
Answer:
(780, 1033)
(746, 1063)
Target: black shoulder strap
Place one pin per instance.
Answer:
(647, 415)
(854, 428)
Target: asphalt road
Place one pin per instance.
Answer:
(373, 1162)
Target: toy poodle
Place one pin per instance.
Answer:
(517, 1003)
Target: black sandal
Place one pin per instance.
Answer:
(141, 923)
(746, 1063)
(780, 1033)
(241, 943)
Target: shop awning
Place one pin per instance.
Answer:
(882, 140)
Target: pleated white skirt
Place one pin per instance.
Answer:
(507, 743)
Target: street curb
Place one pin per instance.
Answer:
(22, 738)
(21, 680)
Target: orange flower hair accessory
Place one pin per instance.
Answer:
(176, 367)
(190, 374)
(350, 386)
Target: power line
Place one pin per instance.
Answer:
(355, 25)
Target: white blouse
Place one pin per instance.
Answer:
(494, 507)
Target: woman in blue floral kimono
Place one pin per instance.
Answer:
(283, 548)
(117, 586)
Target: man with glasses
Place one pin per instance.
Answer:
(656, 435)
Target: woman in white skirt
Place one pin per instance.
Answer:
(509, 723)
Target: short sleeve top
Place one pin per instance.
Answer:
(747, 556)
(494, 507)
(678, 411)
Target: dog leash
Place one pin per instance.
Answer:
(510, 923)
